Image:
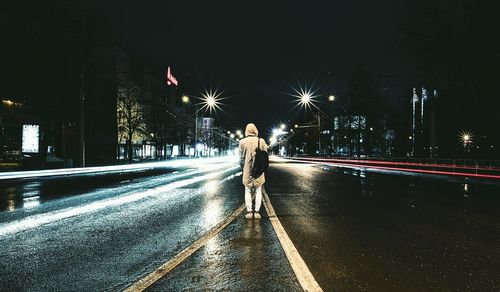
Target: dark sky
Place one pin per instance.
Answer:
(254, 49)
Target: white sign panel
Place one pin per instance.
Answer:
(31, 135)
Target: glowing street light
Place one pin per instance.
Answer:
(211, 100)
(283, 126)
(238, 132)
(466, 138)
(185, 99)
(232, 136)
(331, 97)
(305, 98)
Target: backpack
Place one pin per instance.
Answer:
(260, 161)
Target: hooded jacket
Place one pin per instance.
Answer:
(247, 153)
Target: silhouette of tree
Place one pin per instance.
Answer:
(130, 115)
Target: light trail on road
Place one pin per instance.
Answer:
(397, 169)
(46, 218)
(114, 168)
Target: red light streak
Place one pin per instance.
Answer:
(435, 165)
(437, 172)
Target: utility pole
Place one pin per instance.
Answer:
(196, 131)
(319, 132)
(82, 95)
(414, 122)
(433, 125)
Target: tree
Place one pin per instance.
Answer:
(130, 115)
(363, 111)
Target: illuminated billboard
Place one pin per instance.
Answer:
(31, 136)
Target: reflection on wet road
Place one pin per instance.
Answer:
(246, 256)
(360, 230)
(107, 238)
(356, 230)
(26, 194)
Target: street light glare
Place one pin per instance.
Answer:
(306, 98)
(211, 100)
(466, 137)
(331, 97)
(282, 126)
(185, 99)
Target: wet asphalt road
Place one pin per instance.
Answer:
(356, 231)
(360, 231)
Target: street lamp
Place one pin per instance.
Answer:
(185, 99)
(306, 100)
(466, 138)
(211, 100)
(331, 99)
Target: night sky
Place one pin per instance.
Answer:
(256, 50)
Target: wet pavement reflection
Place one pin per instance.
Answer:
(76, 244)
(19, 194)
(359, 230)
(355, 229)
(246, 256)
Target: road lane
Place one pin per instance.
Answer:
(112, 247)
(246, 256)
(361, 231)
(354, 229)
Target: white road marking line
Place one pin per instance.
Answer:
(305, 277)
(164, 269)
(34, 221)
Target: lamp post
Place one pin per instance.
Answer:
(331, 99)
(306, 100)
(210, 103)
(185, 101)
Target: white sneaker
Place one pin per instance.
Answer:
(256, 215)
(249, 215)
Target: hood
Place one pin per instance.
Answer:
(251, 130)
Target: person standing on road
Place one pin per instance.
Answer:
(252, 185)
